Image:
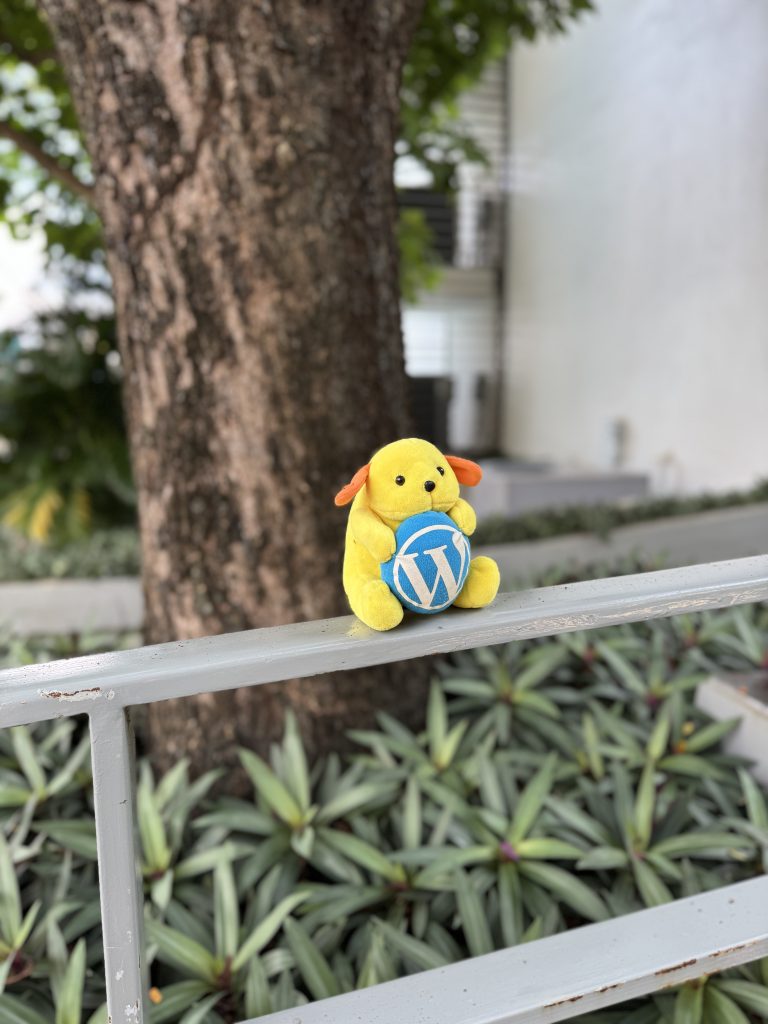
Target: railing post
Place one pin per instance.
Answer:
(119, 879)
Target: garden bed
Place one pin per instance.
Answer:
(556, 782)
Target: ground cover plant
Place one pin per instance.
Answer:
(556, 783)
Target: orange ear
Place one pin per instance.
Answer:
(467, 472)
(346, 494)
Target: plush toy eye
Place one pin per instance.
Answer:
(399, 480)
(441, 471)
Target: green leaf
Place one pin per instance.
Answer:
(206, 860)
(447, 749)
(226, 915)
(74, 763)
(437, 721)
(176, 998)
(469, 688)
(78, 836)
(689, 1005)
(692, 766)
(180, 951)
(652, 890)
(473, 916)
(354, 799)
(566, 887)
(99, 1015)
(548, 849)
(692, 844)
(592, 744)
(266, 930)
(14, 1011)
(70, 997)
(751, 996)
(10, 899)
(362, 853)
(537, 702)
(510, 904)
(157, 853)
(542, 662)
(161, 891)
(532, 799)
(25, 752)
(571, 815)
(312, 965)
(271, 789)
(258, 997)
(720, 1008)
(197, 1013)
(412, 814)
(174, 780)
(622, 668)
(644, 805)
(755, 801)
(240, 818)
(603, 858)
(659, 738)
(415, 952)
(295, 762)
(710, 735)
(27, 924)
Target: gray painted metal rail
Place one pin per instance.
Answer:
(570, 973)
(545, 981)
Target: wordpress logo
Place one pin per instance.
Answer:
(430, 564)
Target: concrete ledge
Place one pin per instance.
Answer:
(678, 540)
(44, 607)
(747, 700)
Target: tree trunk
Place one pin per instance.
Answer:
(243, 155)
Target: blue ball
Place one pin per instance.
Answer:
(430, 563)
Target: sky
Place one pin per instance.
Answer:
(23, 285)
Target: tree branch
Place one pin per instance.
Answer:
(48, 163)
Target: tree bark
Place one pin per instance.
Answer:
(243, 158)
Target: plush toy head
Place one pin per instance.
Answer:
(408, 477)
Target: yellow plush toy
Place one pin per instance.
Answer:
(410, 489)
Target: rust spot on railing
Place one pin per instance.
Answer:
(607, 988)
(677, 967)
(90, 694)
(733, 949)
(562, 1002)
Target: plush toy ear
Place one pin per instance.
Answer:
(467, 472)
(346, 494)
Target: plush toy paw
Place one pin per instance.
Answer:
(464, 516)
(482, 584)
(381, 544)
(377, 606)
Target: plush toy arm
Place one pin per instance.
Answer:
(375, 536)
(464, 516)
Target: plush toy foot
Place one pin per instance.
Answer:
(482, 584)
(377, 606)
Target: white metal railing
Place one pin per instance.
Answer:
(544, 981)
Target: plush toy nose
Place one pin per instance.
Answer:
(429, 485)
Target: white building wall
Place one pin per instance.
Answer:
(638, 278)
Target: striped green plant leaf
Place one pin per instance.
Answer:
(312, 965)
(180, 951)
(473, 916)
(266, 929)
(272, 790)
